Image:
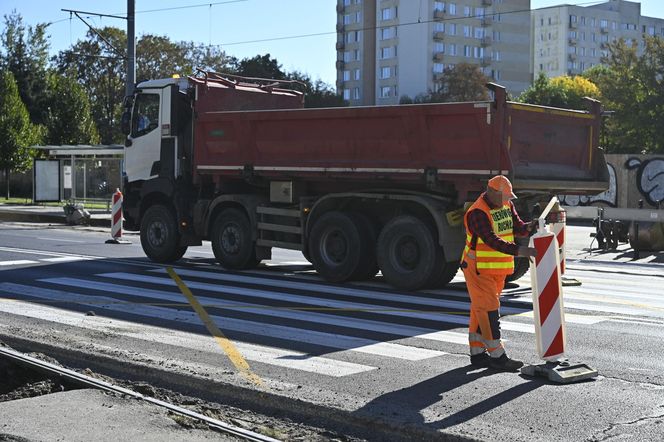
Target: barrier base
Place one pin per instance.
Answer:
(117, 241)
(569, 282)
(561, 371)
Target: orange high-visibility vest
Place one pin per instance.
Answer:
(488, 260)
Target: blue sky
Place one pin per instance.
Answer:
(235, 25)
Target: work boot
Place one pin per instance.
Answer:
(504, 363)
(480, 360)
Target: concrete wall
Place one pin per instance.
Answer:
(633, 178)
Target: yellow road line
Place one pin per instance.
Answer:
(225, 343)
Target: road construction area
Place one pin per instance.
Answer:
(353, 361)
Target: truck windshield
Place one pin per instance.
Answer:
(145, 117)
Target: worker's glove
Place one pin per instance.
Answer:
(532, 226)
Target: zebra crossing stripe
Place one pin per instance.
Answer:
(229, 348)
(284, 313)
(190, 341)
(17, 262)
(331, 340)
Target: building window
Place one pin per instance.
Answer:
(439, 6)
(439, 47)
(438, 68)
(467, 30)
(385, 91)
(388, 52)
(346, 94)
(356, 93)
(451, 29)
(496, 55)
(479, 12)
(357, 74)
(356, 54)
(603, 23)
(346, 76)
(439, 27)
(572, 19)
(479, 32)
(347, 56)
(389, 13)
(582, 35)
(453, 49)
(572, 34)
(583, 20)
(385, 72)
(496, 35)
(466, 11)
(467, 51)
(347, 19)
(452, 8)
(388, 33)
(593, 22)
(478, 52)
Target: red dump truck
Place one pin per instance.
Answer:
(241, 163)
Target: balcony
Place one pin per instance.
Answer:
(438, 76)
(571, 57)
(438, 36)
(572, 41)
(340, 8)
(485, 61)
(340, 27)
(486, 21)
(604, 30)
(604, 45)
(485, 41)
(439, 14)
(340, 64)
(572, 25)
(340, 46)
(487, 2)
(438, 56)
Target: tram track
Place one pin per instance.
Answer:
(84, 381)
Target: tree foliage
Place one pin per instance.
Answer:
(69, 118)
(564, 92)
(632, 87)
(462, 82)
(24, 52)
(17, 133)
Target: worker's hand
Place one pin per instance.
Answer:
(532, 226)
(526, 251)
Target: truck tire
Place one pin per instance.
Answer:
(231, 239)
(159, 235)
(521, 266)
(447, 272)
(369, 236)
(336, 247)
(408, 255)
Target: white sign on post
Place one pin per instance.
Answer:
(47, 180)
(66, 171)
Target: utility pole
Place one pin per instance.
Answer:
(131, 47)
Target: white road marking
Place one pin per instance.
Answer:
(17, 262)
(64, 259)
(59, 239)
(190, 341)
(331, 340)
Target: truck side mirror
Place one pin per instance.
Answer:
(125, 123)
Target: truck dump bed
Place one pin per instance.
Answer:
(450, 145)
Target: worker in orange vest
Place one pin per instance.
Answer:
(491, 223)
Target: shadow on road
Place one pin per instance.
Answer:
(405, 405)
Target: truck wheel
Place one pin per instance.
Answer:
(231, 240)
(369, 236)
(447, 272)
(521, 266)
(159, 235)
(408, 254)
(336, 248)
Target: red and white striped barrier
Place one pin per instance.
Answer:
(558, 229)
(549, 316)
(116, 220)
(116, 215)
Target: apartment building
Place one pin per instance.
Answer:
(567, 39)
(390, 48)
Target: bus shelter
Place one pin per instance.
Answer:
(80, 173)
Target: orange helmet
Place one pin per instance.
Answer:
(501, 184)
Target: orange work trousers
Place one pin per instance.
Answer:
(484, 326)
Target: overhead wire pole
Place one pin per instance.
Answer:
(131, 47)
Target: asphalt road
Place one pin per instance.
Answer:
(363, 351)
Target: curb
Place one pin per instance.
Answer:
(31, 217)
(268, 403)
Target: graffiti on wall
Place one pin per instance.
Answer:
(609, 197)
(649, 178)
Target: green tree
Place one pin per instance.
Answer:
(632, 86)
(17, 133)
(462, 82)
(24, 52)
(69, 118)
(564, 92)
(260, 66)
(100, 66)
(316, 93)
